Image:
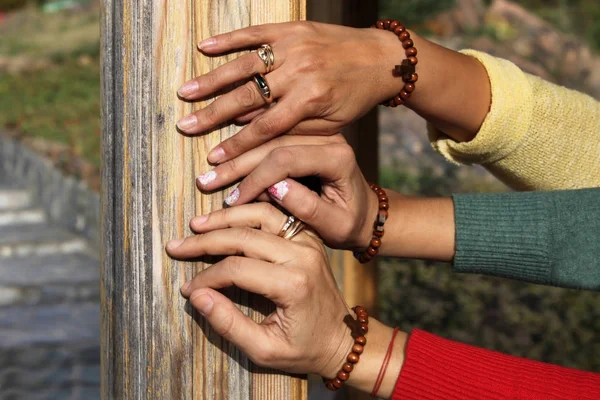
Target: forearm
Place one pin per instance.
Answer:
(453, 90)
(420, 228)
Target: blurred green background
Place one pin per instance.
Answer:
(50, 99)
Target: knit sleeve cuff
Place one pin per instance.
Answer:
(505, 234)
(506, 124)
(441, 369)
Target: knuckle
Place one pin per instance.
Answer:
(232, 166)
(210, 80)
(211, 114)
(234, 266)
(346, 153)
(246, 96)
(310, 64)
(246, 234)
(299, 283)
(266, 210)
(308, 209)
(319, 93)
(281, 157)
(254, 32)
(305, 27)
(225, 325)
(247, 65)
(265, 127)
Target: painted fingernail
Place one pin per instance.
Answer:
(207, 43)
(173, 244)
(202, 301)
(207, 177)
(216, 155)
(188, 88)
(185, 287)
(187, 122)
(279, 190)
(197, 221)
(233, 197)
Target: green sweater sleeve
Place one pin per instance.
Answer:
(550, 238)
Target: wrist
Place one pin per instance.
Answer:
(365, 372)
(372, 209)
(392, 54)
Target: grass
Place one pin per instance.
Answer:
(50, 88)
(61, 103)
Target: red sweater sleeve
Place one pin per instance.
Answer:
(440, 369)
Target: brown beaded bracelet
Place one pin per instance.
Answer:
(378, 230)
(407, 69)
(358, 329)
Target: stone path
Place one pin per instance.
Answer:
(49, 306)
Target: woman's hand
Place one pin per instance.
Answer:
(306, 333)
(325, 77)
(344, 212)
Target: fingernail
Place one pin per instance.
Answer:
(185, 287)
(187, 122)
(233, 197)
(216, 155)
(197, 221)
(173, 244)
(279, 190)
(202, 301)
(207, 177)
(188, 88)
(207, 43)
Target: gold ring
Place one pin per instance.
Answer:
(291, 228)
(266, 54)
(263, 88)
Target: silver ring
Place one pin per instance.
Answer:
(266, 54)
(263, 88)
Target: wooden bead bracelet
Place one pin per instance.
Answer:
(358, 329)
(407, 69)
(378, 230)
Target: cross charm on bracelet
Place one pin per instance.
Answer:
(405, 70)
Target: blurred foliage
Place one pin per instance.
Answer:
(62, 104)
(581, 17)
(548, 324)
(51, 87)
(413, 12)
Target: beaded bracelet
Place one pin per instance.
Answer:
(358, 329)
(408, 66)
(378, 230)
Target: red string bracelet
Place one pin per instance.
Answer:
(386, 362)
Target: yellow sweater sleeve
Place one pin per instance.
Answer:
(536, 136)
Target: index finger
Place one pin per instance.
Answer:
(251, 36)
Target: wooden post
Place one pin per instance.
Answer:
(152, 345)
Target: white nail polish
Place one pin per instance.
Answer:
(279, 190)
(207, 178)
(233, 197)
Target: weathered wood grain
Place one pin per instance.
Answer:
(152, 346)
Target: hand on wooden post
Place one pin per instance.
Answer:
(344, 211)
(305, 333)
(324, 77)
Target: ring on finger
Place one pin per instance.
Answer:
(266, 54)
(291, 228)
(263, 87)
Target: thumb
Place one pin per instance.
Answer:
(228, 321)
(330, 221)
